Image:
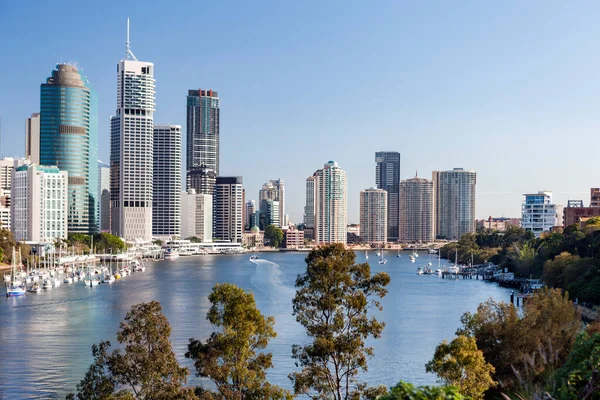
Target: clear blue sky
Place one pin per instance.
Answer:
(508, 88)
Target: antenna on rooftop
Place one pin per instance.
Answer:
(128, 53)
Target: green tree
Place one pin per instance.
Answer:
(105, 243)
(579, 377)
(460, 363)
(332, 302)
(407, 391)
(273, 235)
(523, 257)
(146, 367)
(193, 239)
(233, 358)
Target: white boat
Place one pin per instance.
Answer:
(398, 254)
(171, 254)
(47, 285)
(35, 288)
(68, 280)
(432, 251)
(382, 261)
(419, 271)
(55, 282)
(15, 287)
(108, 279)
(254, 257)
(366, 255)
(438, 272)
(412, 258)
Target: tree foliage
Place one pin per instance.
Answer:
(146, 367)
(233, 358)
(103, 242)
(460, 363)
(579, 378)
(407, 391)
(332, 302)
(8, 243)
(273, 235)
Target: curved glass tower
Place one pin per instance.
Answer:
(69, 140)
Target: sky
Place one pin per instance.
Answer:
(510, 89)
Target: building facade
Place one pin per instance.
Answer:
(373, 216)
(594, 197)
(309, 208)
(275, 190)
(539, 213)
(39, 203)
(197, 216)
(32, 138)
(104, 193)
(203, 108)
(269, 213)
(454, 202)
(293, 238)
(500, 224)
(228, 209)
(202, 179)
(416, 211)
(166, 182)
(331, 204)
(68, 139)
(131, 151)
(387, 177)
(249, 211)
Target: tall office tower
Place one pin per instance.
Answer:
(166, 203)
(6, 168)
(249, 210)
(32, 138)
(69, 140)
(387, 177)
(270, 209)
(274, 190)
(104, 194)
(373, 216)
(131, 149)
(197, 216)
(203, 129)
(454, 202)
(39, 203)
(331, 201)
(309, 209)
(228, 209)
(594, 197)
(539, 213)
(202, 179)
(416, 210)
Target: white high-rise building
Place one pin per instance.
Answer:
(197, 215)
(103, 216)
(416, 211)
(39, 203)
(373, 215)
(7, 166)
(228, 209)
(454, 202)
(539, 213)
(32, 138)
(274, 190)
(131, 150)
(331, 204)
(166, 204)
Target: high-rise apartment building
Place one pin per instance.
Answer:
(197, 216)
(416, 211)
(68, 139)
(454, 202)
(32, 138)
(539, 213)
(249, 217)
(131, 150)
(228, 209)
(202, 179)
(373, 216)
(309, 208)
(269, 212)
(274, 190)
(166, 200)
(104, 194)
(203, 129)
(331, 204)
(387, 177)
(39, 203)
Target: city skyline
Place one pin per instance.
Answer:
(469, 122)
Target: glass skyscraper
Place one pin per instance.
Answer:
(69, 140)
(202, 130)
(387, 177)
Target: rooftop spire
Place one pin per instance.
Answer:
(128, 53)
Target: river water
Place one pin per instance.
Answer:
(45, 338)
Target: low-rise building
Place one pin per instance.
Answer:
(539, 213)
(253, 239)
(500, 224)
(293, 238)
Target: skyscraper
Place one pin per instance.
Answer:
(131, 149)
(202, 179)
(331, 202)
(68, 139)
(104, 193)
(309, 209)
(274, 190)
(387, 177)
(197, 216)
(454, 202)
(270, 210)
(203, 129)
(32, 138)
(228, 209)
(373, 216)
(166, 200)
(249, 218)
(416, 210)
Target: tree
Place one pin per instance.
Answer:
(579, 378)
(146, 368)
(460, 363)
(232, 358)
(332, 301)
(194, 239)
(407, 391)
(273, 235)
(105, 242)
(523, 258)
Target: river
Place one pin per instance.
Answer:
(45, 338)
